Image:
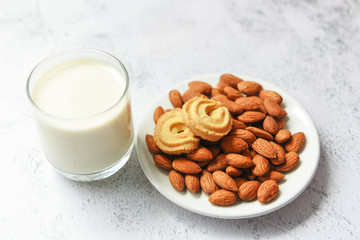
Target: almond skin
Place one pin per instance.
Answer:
(184, 165)
(201, 87)
(295, 142)
(272, 175)
(267, 191)
(251, 103)
(251, 117)
(245, 135)
(218, 163)
(233, 172)
(192, 183)
(272, 95)
(249, 87)
(280, 123)
(175, 98)
(270, 125)
(264, 148)
(157, 113)
(262, 165)
(280, 154)
(239, 161)
(215, 150)
(162, 162)
(207, 182)
(260, 133)
(291, 161)
(240, 181)
(248, 190)
(200, 154)
(153, 148)
(232, 144)
(215, 91)
(237, 124)
(224, 181)
(232, 93)
(283, 135)
(177, 180)
(274, 109)
(230, 80)
(223, 197)
(230, 105)
(189, 94)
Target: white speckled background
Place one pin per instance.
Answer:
(308, 48)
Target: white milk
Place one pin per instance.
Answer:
(87, 128)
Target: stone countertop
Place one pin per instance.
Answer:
(308, 48)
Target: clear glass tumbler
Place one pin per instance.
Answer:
(81, 106)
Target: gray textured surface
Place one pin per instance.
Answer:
(308, 48)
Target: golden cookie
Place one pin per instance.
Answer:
(171, 134)
(207, 118)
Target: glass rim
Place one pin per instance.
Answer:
(89, 50)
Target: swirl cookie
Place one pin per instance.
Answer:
(207, 118)
(171, 134)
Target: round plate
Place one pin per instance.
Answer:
(294, 183)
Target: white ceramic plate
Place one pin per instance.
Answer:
(294, 183)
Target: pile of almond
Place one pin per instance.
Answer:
(250, 160)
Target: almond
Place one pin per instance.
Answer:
(237, 124)
(189, 94)
(260, 133)
(249, 87)
(153, 148)
(207, 183)
(157, 113)
(239, 181)
(162, 162)
(270, 125)
(218, 163)
(215, 91)
(272, 175)
(280, 154)
(177, 180)
(295, 142)
(233, 172)
(272, 95)
(192, 183)
(239, 161)
(232, 144)
(283, 135)
(249, 103)
(280, 123)
(184, 165)
(248, 190)
(230, 105)
(291, 161)
(200, 154)
(251, 117)
(267, 191)
(220, 86)
(264, 148)
(230, 79)
(175, 98)
(202, 164)
(245, 135)
(247, 153)
(223, 197)
(274, 109)
(215, 150)
(201, 87)
(232, 93)
(262, 165)
(224, 181)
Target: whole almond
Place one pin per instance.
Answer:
(245, 135)
(233, 172)
(184, 165)
(232, 93)
(175, 98)
(237, 124)
(153, 148)
(192, 183)
(239, 161)
(251, 117)
(230, 105)
(239, 181)
(272, 95)
(207, 182)
(280, 123)
(251, 103)
(283, 135)
(295, 142)
(280, 154)
(223, 197)
(291, 161)
(157, 113)
(274, 109)
(272, 175)
(218, 163)
(215, 91)
(260, 133)
(230, 79)
(215, 150)
(203, 164)
(220, 87)
(201, 87)
(248, 190)
(267, 191)
(224, 181)
(270, 125)
(162, 162)
(264, 148)
(262, 165)
(189, 94)
(249, 87)
(200, 154)
(177, 180)
(232, 144)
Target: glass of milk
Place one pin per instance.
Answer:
(80, 101)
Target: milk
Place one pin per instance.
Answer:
(83, 116)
